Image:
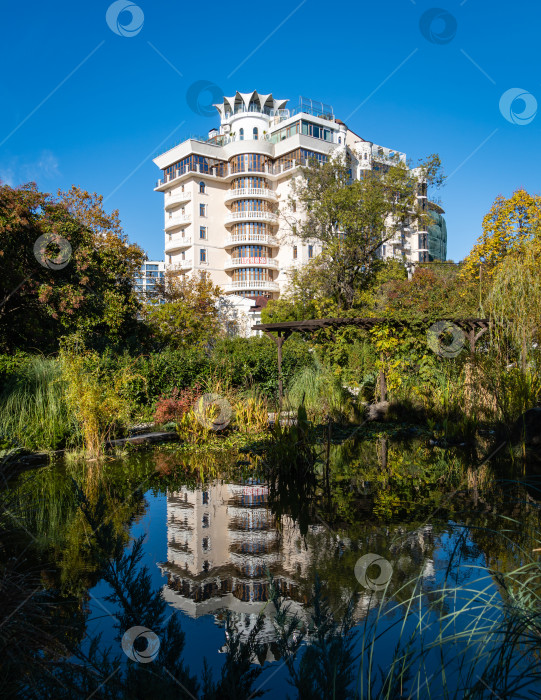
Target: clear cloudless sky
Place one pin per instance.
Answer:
(99, 124)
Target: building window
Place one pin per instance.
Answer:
(201, 188)
(310, 251)
(202, 210)
(294, 252)
(183, 255)
(205, 522)
(203, 255)
(241, 134)
(256, 133)
(169, 259)
(339, 139)
(202, 232)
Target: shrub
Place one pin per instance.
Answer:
(175, 406)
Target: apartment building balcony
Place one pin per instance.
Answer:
(227, 172)
(177, 243)
(176, 199)
(269, 263)
(236, 216)
(182, 265)
(243, 192)
(238, 238)
(177, 220)
(263, 285)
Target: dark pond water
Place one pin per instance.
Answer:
(216, 526)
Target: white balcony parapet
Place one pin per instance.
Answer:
(256, 261)
(269, 216)
(178, 220)
(264, 285)
(239, 238)
(177, 242)
(228, 171)
(182, 265)
(177, 198)
(242, 192)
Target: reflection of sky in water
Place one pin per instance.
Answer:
(223, 538)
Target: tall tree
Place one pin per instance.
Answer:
(351, 219)
(509, 223)
(190, 314)
(58, 276)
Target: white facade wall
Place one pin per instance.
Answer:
(206, 192)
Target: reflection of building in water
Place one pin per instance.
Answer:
(222, 541)
(220, 544)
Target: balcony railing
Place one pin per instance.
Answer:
(182, 265)
(177, 198)
(238, 238)
(178, 220)
(259, 261)
(177, 243)
(269, 216)
(250, 192)
(263, 285)
(229, 171)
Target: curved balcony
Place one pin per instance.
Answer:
(243, 192)
(246, 170)
(264, 286)
(181, 266)
(234, 263)
(236, 216)
(176, 221)
(177, 198)
(177, 243)
(239, 238)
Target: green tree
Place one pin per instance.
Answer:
(190, 315)
(351, 219)
(59, 274)
(432, 292)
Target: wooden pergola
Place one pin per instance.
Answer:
(473, 329)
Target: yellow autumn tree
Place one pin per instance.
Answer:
(509, 224)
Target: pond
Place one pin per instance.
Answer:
(413, 541)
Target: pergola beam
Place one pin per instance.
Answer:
(473, 329)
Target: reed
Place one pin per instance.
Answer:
(34, 413)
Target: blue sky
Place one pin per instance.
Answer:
(82, 104)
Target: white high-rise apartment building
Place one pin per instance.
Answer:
(226, 198)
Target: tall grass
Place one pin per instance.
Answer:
(33, 411)
(321, 392)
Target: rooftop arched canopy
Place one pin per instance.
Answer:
(249, 102)
(473, 329)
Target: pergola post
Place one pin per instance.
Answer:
(280, 339)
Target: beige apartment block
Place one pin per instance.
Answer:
(227, 201)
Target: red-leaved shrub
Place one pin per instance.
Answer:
(173, 407)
